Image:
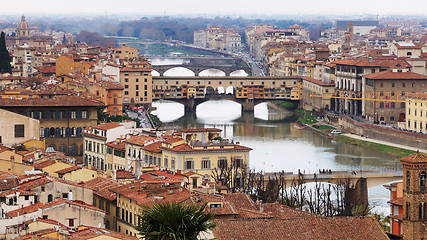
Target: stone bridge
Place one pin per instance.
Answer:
(373, 178)
(248, 105)
(197, 65)
(197, 69)
(214, 83)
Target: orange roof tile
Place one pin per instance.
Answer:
(415, 158)
(101, 187)
(385, 75)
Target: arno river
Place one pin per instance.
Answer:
(277, 145)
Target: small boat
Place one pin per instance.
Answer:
(298, 127)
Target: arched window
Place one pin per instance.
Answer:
(423, 181)
(381, 105)
(422, 211)
(408, 180)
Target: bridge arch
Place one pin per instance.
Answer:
(212, 72)
(239, 73)
(209, 90)
(179, 71)
(230, 90)
(155, 73)
(220, 90)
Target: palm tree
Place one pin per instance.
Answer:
(173, 221)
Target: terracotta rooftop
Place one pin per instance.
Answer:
(154, 147)
(140, 140)
(187, 148)
(44, 164)
(57, 101)
(99, 233)
(101, 187)
(331, 228)
(107, 126)
(25, 210)
(415, 158)
(417, 95)
(317, 82)
(123, 174)
(396, 201)
(67, 170)
(386, 75)
(117, 145)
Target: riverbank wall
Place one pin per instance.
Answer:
(415, 140)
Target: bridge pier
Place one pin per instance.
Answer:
(248, 105)
(190, 105)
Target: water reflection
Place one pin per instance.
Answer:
(276, 143)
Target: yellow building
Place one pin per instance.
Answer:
(138, 83)
(15, 128)
(203, 157)
(124, 52)
(416, 112)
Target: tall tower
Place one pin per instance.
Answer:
(350, 29)
(414, 196)
(23, 28)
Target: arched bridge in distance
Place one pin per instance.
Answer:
(247, 91)
(373, 178)
(197, 65)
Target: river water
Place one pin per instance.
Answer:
(277, 145)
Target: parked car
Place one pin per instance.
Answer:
(336, 131)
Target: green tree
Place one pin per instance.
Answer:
(4, 56)
(167, 221)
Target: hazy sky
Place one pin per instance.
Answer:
(219, 7)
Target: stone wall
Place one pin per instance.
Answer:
(415, 140)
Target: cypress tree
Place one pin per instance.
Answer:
(4, 56)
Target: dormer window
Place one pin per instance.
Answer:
(215, 205)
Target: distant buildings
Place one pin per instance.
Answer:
(218, 39)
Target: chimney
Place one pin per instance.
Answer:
(261, 207)
(114, 174)
(12, 158)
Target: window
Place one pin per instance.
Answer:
(126, 79)
(19, 130)
(215, 205)
(71, 222)
(222, 163)
(407, 210)
(423, 181)
(27, 197)
(189, 164)
(84, 114)
(206, 164)
(166, 164)
(126, 86)
(65, 195)
(173, 163)
(381, 105)
(408, 180)
(126, 93)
